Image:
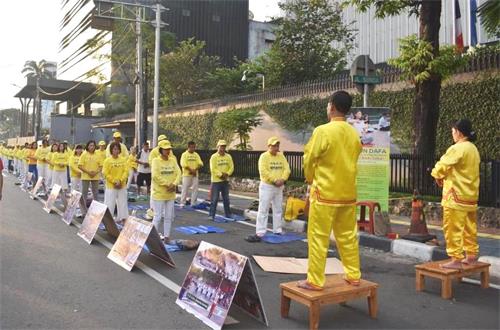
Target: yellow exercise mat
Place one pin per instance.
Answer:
(290, 265)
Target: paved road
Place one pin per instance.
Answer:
(50, 278)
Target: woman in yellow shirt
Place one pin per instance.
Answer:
(31, 159)
(60, 164)
(90, 165)
(132, 166)
(50, 166)
(74, 171)
(458, 173)
(166, 175)
(115, 174)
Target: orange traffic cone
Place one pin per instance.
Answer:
(418, 227)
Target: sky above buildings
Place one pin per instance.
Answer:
(30, 31)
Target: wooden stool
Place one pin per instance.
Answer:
(433, 269)
(336, 291)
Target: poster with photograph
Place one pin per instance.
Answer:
(54, 193)
(40, 183)
(247, 295)
(157, 248)
(129, 244)
(374, 128)
(26, 181)
(210, 284)
(91, 222)
(71, 207)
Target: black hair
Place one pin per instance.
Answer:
(464, 126)
(342, 101)
(88, 143)
(115, 144)
(191, 143)
(145, 142)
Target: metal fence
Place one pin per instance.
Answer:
(407, 172)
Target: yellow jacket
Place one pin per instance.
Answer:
(60, 161)
(30, 156)
(132, 162)
(273, 168)
(330, 163)
(90, 162)
(74, 171)
(191, 160)
(459, 168)
(156, 152)
(124, 152)
(163, 173)
(49, 157)
(115, 169)
(101, 154)
(41, 155)
(219, 165)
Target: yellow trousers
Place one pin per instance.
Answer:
(322, 220)
(460, 232)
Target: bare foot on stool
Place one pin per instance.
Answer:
(304, 284)
(470, 260)
(453, 264)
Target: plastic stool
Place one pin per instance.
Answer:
(363, 224)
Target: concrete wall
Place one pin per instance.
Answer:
(260, 38)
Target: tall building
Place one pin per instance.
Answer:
(49, 106)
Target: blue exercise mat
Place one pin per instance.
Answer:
(192, 230)
(201, 206)
(234, 217)
(169, 247)
(137, 207)
(283, 238)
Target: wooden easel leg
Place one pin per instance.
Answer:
(485, 278)
(285, 305)
(314, 316)
(446, 288)
(420, 281)
(373, 304)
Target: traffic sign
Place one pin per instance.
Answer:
(366, 79)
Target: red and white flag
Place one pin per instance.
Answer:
(459, 37)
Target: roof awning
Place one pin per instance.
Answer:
(114, 123)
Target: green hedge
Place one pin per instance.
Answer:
(477, 100)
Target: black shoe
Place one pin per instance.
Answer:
(253, 239)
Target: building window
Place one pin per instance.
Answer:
(186, 12)
(216, 18)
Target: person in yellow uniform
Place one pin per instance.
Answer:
(31, 159)
(101, 152)
(132, 166)
(117, 137)
(221, 168)
(274, 170)
(74, 172)
(115, 173)
(41, 159)
(60, 163)
(458, 173)
(166, 175)
(17, 160)
(330, 167)
(50, 167)
(190, 163)
(90, 165)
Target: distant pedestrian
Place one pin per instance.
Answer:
(190, 163)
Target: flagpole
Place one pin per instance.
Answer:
(453, 25)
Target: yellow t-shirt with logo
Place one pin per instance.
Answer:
(163, 173)
(41, 155)
(60, 161)
(191, 160)
(131, 162)
(220, 164)
(90, 162)
(115, 169)
(30, 156)
(74, 171)
(273, 168)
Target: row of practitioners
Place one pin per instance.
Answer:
(330, 169)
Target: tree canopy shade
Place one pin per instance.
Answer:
(489, 12)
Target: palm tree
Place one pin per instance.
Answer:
(37, 71)
(490, 16)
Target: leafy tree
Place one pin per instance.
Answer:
(117, 104)
(242, 122)
(10, 123)
(39, 70)
(427, 77)
(183, 71)
(311, 43)
(489, 12)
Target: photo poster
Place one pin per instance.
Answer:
(129, 244)
(373, 179)
(211, 284)
(93, 218)
(71, 207)
(157, 247)
(54, 193)
(26, 181)
(40, 183)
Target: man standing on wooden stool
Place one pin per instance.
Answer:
(458, 173)
(330, 166)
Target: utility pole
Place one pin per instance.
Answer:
(138, 82)
(156, 94)
(144, 136)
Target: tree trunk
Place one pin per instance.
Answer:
(426, 105)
